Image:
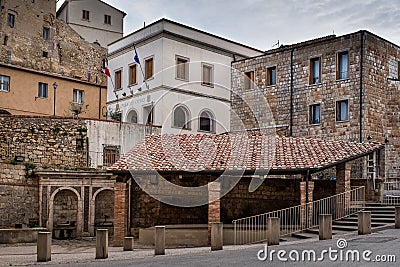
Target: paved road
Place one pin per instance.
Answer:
(381, 244)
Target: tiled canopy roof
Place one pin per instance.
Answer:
(239, 151)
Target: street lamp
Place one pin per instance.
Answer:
(55, 87)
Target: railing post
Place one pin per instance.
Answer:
(274, 231)
(128, 243)
(397, 223)
(217, 236)
(159, 241)
(101, 243)
(364, 222)
(44, 247)
(325, 226)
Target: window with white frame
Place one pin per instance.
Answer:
(78, 96)
(315, 74)
(85, 14)
(271, 76)
(4, 83)
(149, 68)
(342, 110)
(181, 117)
(182, 68)
(207, 75)
(43, 90)
(249, 80)
(343, 65)
(206, 121)
(315, 114)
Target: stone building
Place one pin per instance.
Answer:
(94, 20)
(341, 87)
(38, 51)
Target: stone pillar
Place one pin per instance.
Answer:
(325, 226)
(120, 213)
(159, 240)
(343, 185)
(274, 231)
(101, 244)
(306, 210)
(128, 243)
(214, 206)
(397, 222)
(217, 238)
(364, 223)
(44, 247)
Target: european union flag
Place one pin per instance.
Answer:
(136, 58)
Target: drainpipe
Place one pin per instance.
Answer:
(361, 83)
(100, 103)
(307, 199)
(291, 91)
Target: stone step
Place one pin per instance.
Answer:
(304, 235)
(354, 223)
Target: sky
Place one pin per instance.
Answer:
(261, 23)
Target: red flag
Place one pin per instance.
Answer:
(107, 71)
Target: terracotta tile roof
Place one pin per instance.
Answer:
(238, 151)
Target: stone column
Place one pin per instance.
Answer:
(274, 231)
(343, 185)
(159, 240)
(364, 223)
(214, 207)
(128, 243)
(120, 213)
(101, 244)
(397, 220)
(325, 226)
(44, 247)
(306, 210)
(217, 238)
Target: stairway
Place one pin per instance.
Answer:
(380, 216)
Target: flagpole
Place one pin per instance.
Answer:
(140, 65)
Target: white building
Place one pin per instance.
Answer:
(188, 78)
(94, 20)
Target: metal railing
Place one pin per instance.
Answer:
(391, 193)
(295, 219)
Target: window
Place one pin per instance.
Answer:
(43, 90)
(132, 116)
(79, 144)
(315, 76)
(208, 75)
(343, 65)
(206, 122)
(271, 76)
(110, 155)
(148, 115)
(249, 80)
(118, 79)
(107, 19)
(132, 74)
(181, 116)
(78, 96)
(149, 68)
(315, 114)
(11, 20)
(342, 110)
(46, 33)
(45, 54)
(4, 83)
(182, 68)
(85, 14)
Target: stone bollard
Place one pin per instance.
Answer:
(101, 244)
(397, 222)
(364, 223)
(128, 243)
(159, 241)
(44, 247)
(217, 238)
(274, 231)
(325, 226)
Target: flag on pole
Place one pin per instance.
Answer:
(136, 58)
(106, 71)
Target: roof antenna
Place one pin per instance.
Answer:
(277, 44)
(333, 31)
(144, 24)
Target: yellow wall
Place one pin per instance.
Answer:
(23, 91)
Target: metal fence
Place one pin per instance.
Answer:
(295, 219)
(391, 193)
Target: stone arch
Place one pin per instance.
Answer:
(181, 117)
(93, 210)
(207, 121)
(132, 116)
(79, 210)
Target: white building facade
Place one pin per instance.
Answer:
(94, 20)
(182, 83)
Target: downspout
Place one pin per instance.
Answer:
(291, 91)
(307, 199)
(100, 103)
(361, 83)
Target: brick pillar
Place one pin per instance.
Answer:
(306, 215)
(120, 213)
(214, 207)
(342, 185)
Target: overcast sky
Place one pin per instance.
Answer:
(261, 23)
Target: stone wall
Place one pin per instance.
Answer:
(19, 197)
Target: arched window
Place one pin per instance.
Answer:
(206, 121)
(132, 116)
(181, 117)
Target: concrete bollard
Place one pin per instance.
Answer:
(325, 226)
(274, 231)
(364, 223)
(44, 247)
(128, 243)
(159, 240)
(101, 244)
(397, 222)
(217, 238)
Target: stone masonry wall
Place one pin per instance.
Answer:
(19, 197)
